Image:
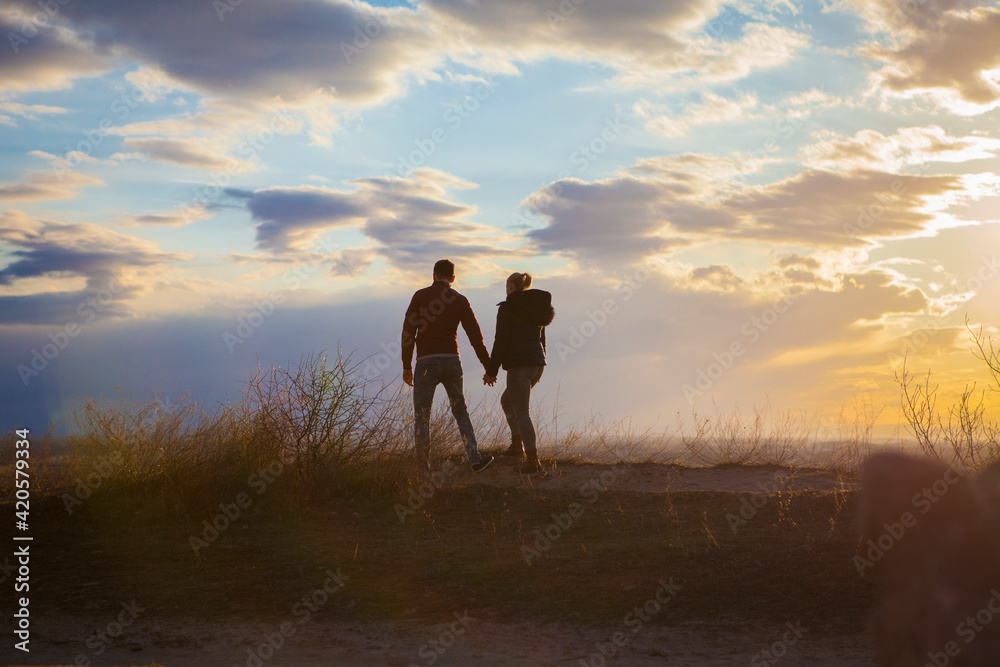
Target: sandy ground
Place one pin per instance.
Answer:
(480, 642)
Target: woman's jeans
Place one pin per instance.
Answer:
(515, 402)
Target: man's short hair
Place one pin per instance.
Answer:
(444, 268)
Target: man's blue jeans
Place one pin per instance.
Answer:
(426, 375)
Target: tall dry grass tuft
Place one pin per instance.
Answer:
(179, 452)
(962, 433)
(760, 439)
(854, 431)
(319, 422)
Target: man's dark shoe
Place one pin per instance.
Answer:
(483, 464)
(516, 449)
(530, 465)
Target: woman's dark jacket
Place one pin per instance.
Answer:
(520, 337)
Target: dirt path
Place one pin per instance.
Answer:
(172, 640)
(660, 478)
(482, 644)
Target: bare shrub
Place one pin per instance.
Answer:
(317, 415)
(962, 432)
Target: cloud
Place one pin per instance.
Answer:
(719, 277)
(650, 44)
(614, 219)
(858, 198)
(839, 208)
(354, 54)
(43, 56)
(293, 218)
(56, 250)
(413, 219)
(711, 110)
(532, 29)
(210, 138)
(794, 273)
(64, 161)
(703, 176)
(945, 50)
(789, 113)
(187, 153)
(26, 111)
(869, 149)
(843, 329)
(176, 218)
(351, 262)
(47, 186)
(761, 47)
(626, 218)
(409, 219)
(261, 50)
(792, 259)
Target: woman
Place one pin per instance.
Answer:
(519, 348)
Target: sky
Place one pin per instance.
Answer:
(734, 204)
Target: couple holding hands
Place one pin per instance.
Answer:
(431, 324)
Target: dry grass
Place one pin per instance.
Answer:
(317, 421)
(757, 440)
(46, 473)
(335, 433)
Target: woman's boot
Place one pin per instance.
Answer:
(530, 465)
(516, 449)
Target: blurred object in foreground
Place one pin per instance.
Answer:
(931, 535)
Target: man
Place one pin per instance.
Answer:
(431, 322)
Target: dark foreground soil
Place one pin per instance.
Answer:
(626, 564)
